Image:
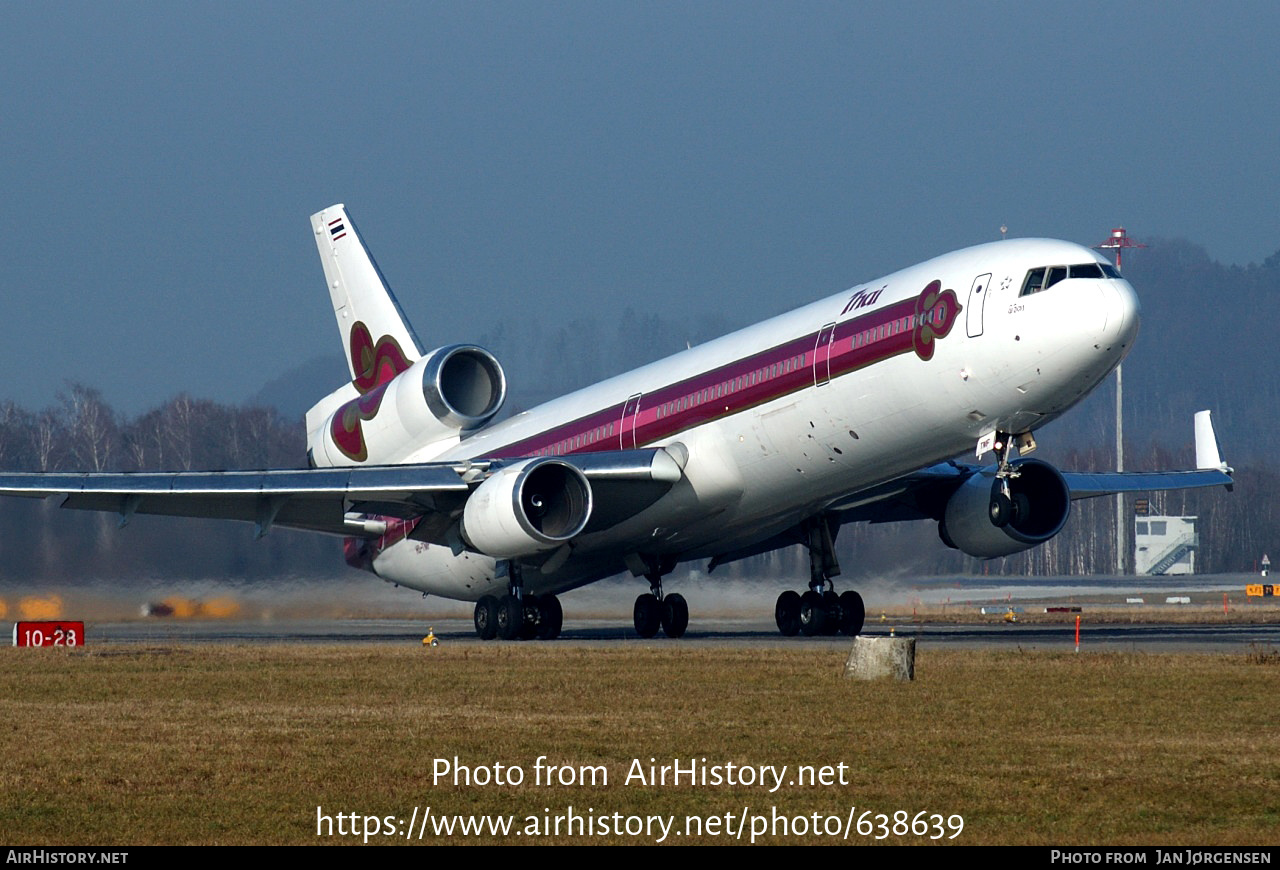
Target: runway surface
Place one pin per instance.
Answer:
(961, 612)
(1137, 637)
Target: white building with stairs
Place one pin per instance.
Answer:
(1164, 545)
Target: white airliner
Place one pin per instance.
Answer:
(848, 409)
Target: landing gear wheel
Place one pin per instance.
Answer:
(529, 622)
(510, 617)
(550, 617)
(831, 604)
(486, 617)
(647, 615)
(852, 613)
(1000, 511)
(787, 613)
(675, 615)
(813, 617)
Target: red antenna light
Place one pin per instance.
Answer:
(1119, 240)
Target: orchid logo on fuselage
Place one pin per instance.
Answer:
(375, 365)
(936, 313)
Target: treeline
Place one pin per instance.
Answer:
(83, 433)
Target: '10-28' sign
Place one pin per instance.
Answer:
(48, 633)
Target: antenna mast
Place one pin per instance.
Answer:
(1118, 241)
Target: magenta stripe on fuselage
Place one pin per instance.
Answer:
(745, 383)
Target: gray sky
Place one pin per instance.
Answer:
(548, 159)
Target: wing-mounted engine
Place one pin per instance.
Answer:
(526, 508)
(985, 520)
(413, 416)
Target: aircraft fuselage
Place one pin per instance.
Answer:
(778, 421)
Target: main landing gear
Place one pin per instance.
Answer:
(820, 610)
(518, 615)
(654, 609)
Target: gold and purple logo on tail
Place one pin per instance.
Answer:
(375, 365)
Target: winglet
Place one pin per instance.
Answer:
(1207, 455)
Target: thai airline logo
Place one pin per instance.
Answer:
(376, 365)
(862, 299)
(936, 313)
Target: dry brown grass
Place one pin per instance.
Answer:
(240, 745)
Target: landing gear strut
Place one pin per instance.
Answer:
(517, 614)
(820, 610)
(1006, 506)
(654, 609)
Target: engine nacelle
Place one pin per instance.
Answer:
(448, 392)
(980, 522)
(525, 508)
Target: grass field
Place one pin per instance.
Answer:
(242, 744)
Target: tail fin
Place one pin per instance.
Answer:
(376, 335)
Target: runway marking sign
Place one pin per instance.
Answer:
(48, 633)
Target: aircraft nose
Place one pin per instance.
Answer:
(1123, 314)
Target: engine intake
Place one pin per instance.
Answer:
(525, 508)
(979, 520)
(447, 393)
(463, 385)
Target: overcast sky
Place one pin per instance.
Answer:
(546, 160)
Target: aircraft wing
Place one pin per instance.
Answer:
(1085, 484)
(924, 494)
(1210, 471)
(339, 501)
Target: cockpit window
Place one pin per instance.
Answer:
(1034, 282)
(1044, 277)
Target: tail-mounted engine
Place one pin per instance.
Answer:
(989, 516)
(525, 508)
(448, 392)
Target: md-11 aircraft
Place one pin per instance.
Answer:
(848, 409)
